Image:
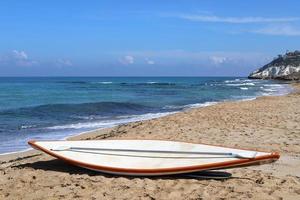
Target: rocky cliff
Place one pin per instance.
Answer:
(285, 67)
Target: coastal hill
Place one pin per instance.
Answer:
(284, 67)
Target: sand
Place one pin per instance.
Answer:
(267, 124)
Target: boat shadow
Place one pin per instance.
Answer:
(61, 166)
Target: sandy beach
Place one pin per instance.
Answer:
(269, 123)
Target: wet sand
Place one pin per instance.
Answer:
(267, 124)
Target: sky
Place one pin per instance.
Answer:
(144, 38)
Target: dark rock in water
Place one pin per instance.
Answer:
(284, 67)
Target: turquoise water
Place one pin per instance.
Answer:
(54, 108)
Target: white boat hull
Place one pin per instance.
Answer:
(149, 157)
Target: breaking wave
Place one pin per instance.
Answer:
(110, 123)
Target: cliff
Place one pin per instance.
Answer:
(285, 67)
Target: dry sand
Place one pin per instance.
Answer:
(267, 123)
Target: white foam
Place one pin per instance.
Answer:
(229, 81)
(232, 81)
(173, 107)
(274, 85)
(240, 84)
(109, 123)
(248, 80)
(275, 89)
(198, 105)
(195, 105)
(269, 90)
(244, 88)
(105, 82)
(265, 94)
(27, 126)
(79, 125)
(248, 99)
(239, 81)
(151, 82)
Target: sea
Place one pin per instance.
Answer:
(54, 108)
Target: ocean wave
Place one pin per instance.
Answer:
(241, 84)
(157, 83)
(241, 98)
(105, 82)
(241, 81)
(110, 123)
(248, 99)
(80, 125)
(274, 85)
(269, 90)
(91, 117)
(274, 89)
(75, 110)
(85, 82)
(77, 82)
(198, 105)
(152, 82)
(244, 88)
(148, 83)
(27, 126)
(195, 105)
(265, 94)
(232, 81)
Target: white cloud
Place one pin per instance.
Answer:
(64, 62)
(149, 62)
(21, 55)
(126, 60)
(19, 58)
(283, 30)
(236, 20)
(217, 60)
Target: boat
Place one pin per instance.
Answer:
(151, 157)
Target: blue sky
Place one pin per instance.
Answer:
(144, 38)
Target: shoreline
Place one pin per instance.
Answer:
(189, 107)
